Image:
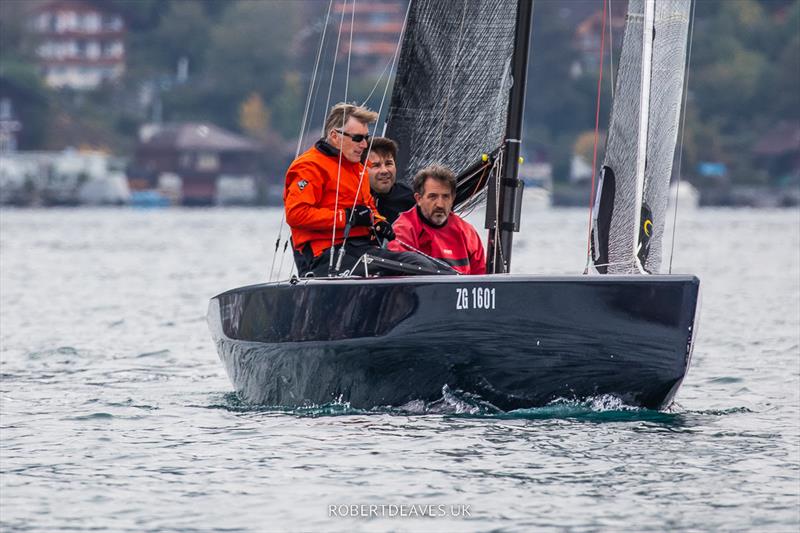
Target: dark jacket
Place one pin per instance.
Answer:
(398, 199)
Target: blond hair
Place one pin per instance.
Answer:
(341, 113)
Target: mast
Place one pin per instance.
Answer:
(503, 205)
(644, 117)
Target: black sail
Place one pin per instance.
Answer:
(450, 97)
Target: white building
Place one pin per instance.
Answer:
(79, 46)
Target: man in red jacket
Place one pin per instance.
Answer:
(327, 200)
(432, 228)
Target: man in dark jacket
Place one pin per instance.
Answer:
(391, 197)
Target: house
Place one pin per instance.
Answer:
(588, 35)
(778, 152)
(79, 45)
(9, 126)
(196, 164)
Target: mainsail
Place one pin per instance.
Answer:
(629, 213)
(450, 97)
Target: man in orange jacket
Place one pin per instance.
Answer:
(328, 201)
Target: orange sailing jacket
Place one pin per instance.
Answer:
(309, 197)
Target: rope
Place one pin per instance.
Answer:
(630, 262)
(683, 131)
(303, 125)
(420, 252)
(596, 139)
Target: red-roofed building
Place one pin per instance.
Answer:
(79, 45)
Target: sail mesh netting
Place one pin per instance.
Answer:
(668, 61)
(450, 97)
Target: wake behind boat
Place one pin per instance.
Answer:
(514, 340)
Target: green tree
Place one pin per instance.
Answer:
(139, 15)
(20, 82)
(244, 56)
(19, 78)
(254, 118)
(183, 31)
(743, 80)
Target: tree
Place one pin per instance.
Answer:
(243, 57)
(254, 117)
(20, 82)
(183, 32)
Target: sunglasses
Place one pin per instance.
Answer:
(357, 138)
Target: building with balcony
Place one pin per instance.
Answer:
(79, 45)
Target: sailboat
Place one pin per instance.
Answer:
(513, 340)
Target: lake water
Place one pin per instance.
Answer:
(116, 414)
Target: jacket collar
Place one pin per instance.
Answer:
(323, 146)
(327, 149)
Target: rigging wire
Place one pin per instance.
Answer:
(339, 166)
(312, 90)
(333, 68)
(498, 243)
(303, 125)
(596, 139)
(380, 110)
(377, 82)
(313, 79)
(611, 48)
(683, 132)
(283, 256)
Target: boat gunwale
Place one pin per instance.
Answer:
(471, 280)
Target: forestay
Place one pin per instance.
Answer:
(450, 97)
(630, 210)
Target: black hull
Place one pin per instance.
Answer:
(385, 342)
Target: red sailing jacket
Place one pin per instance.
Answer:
(456, 243)
(309, 197)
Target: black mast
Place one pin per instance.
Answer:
(503, 206)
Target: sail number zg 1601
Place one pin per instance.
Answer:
(475, 298)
